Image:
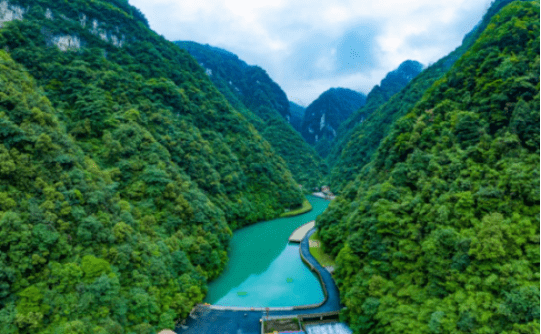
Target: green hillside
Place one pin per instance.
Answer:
(250, 84)
(439, 233)
(123, 172)
(357, 143)
(265, 105)
(393, 83)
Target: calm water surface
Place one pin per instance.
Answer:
(260, 263)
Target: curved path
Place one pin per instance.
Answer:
(206, 320)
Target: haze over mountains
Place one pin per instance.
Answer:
(297, 115)
(127, 161)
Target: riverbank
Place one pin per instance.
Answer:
(264, 269)
(316, 250)
(205, 319)
(306, 207)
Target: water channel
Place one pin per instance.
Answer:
(333, 328)
(264, 270)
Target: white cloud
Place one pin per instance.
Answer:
(301, 42)
(337, 15)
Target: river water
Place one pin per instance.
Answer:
(264, 270)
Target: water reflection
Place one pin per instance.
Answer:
(261, 261)
(271, 288)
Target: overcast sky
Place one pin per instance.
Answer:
(308, 46)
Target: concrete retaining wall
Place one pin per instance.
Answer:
(323, 285)
(301, 318)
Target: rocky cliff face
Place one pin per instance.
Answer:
(323, 117)
(10, 11)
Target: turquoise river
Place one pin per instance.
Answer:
(264, 270)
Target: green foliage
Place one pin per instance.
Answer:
(360, 136)
(122, 174)
(439, 230)
(348, 148)
(297, 114)
(253, 93)
(317, 252)
(306, 207)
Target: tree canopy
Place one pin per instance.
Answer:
(123, 172)
(439, 231)
(254, 94)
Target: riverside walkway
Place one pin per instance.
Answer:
(223, 320)
(301, 231)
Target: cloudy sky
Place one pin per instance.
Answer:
(308, 46)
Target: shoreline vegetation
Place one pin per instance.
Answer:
(306, 207)
(325, 260)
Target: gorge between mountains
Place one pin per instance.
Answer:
(142, 178)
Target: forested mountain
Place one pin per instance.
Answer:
(439, 233)
(323, 116)
(253, 93)
(297, 114)
(393, 83)
(123, 172)
(355, 147)
(250, 84)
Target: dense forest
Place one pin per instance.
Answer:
(323, 117)
(358, 140)
(438, 231)
(392, 84)
(253, 93)
(123, 172)
(127, 161)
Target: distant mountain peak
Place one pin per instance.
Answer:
(405, 72)
(323, 117)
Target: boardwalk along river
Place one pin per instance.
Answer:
(264, 270)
